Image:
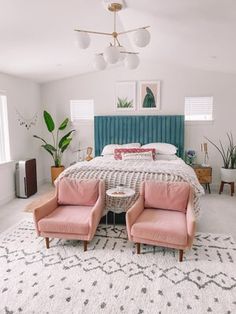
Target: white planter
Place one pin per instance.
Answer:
(228, 175)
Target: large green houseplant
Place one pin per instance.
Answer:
(228, 154)
(58, 146)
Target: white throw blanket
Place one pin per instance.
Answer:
(131, 174)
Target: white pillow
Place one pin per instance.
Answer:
(138, 156)
(162, 148)
(109, 149)
(165, 157)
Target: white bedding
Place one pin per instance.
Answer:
(131, 174)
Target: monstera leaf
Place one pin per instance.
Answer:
(149, 99)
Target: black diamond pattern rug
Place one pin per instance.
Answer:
(111, 278)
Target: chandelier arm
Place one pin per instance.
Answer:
(92, 32)
(118, 42)
(130, 52)
(132, 30)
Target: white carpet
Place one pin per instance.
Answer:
(110, 278)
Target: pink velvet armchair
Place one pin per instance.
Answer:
(73, 213)
(163, 216)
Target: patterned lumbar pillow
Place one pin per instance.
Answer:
(110, 148)
(120, 152)
(138, 156)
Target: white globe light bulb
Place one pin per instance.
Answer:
(111, 54)
(82, 40)
(142, 37)
(99, 62)
(122, 53)
(131, 61)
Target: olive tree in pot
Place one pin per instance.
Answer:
(228, 154)
(58, 146)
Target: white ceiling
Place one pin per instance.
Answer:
(37, 37)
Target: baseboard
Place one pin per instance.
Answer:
(7, 199)
(12, 196)
(43, 181)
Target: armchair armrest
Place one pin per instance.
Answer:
(191, 221)
(44, 210)
(133, 212)
(97, 210)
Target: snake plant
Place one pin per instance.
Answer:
(227, 153)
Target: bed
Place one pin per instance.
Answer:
(142, 129)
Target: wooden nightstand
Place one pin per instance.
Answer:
(204, 175)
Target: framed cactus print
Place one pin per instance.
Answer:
(125, 95)
(150, 95)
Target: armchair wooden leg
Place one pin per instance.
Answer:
(181, 253)
(47, 242)
(85, 245)
(138, 247)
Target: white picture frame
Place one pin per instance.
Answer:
(150, 95)
(125, 99)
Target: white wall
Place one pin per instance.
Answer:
(176, 83)
(24, 96)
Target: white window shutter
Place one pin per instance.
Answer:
(4, 132)
(81, 110)
(198, 108)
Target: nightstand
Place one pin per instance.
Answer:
(204, 175)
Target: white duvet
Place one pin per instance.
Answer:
(131, 174)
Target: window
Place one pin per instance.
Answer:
(4, 135)
(81, 110)
(198, 108)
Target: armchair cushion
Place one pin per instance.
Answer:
(162, 226)
(166, 195)
(75, 192)
(65, 219)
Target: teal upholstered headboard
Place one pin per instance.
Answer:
(139, 129)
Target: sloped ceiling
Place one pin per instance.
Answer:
(37, 37)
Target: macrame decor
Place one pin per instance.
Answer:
(28, 123)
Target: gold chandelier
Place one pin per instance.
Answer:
(115, 52)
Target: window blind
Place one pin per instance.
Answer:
(198, 108)
(82, 109)
(4, 135)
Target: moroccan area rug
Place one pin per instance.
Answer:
(111, 278)
(39, 201)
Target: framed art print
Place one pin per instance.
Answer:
(150, 95)
(125, 95)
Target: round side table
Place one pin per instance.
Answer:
(119, 192)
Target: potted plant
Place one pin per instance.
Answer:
(190, 155)
(58, 146)
(228, 154)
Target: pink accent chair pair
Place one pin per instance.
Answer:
(163, 216)
(73, 213)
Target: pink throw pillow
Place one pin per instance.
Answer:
(167, 195)
(77, 192)
(119, 151)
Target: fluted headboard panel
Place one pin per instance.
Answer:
(139, 129)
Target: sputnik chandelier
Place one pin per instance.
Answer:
(115, 52)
